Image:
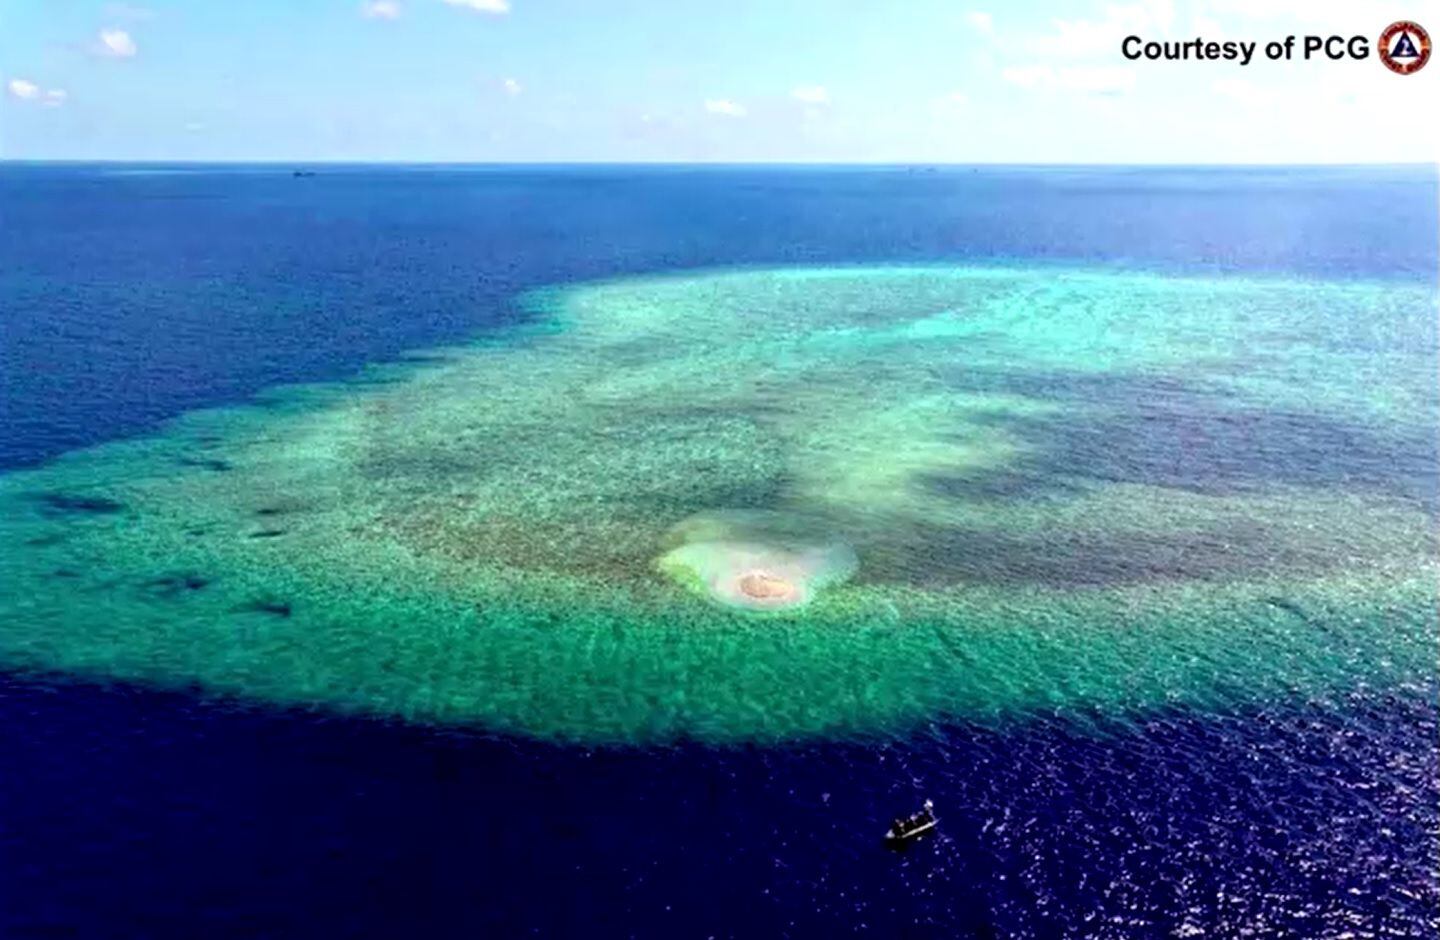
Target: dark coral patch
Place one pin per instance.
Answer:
(274, 510)
(273, 608)
(208, 463)
(172, 584)
(70, 503)
(267, 534)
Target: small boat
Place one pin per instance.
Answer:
(908, 828)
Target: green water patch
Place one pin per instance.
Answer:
(773, 504)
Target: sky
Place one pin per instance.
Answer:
(891, 81)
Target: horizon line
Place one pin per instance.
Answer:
(304, 162)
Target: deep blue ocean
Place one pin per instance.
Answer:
(130, 294)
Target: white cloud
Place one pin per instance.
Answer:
(957, 98)
(380, 10)
(194, 127)
(26, 90)
(1090, 80)
(981, 21)
(511, 86)
(725, 107)
(20, 88)
(811, 94)
(117, 44)
(483, 6)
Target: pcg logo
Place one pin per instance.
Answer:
(1404, 47)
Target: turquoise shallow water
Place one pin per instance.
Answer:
(989, 491)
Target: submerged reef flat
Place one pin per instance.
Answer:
(772, 504)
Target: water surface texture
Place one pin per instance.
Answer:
(1098, 506)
